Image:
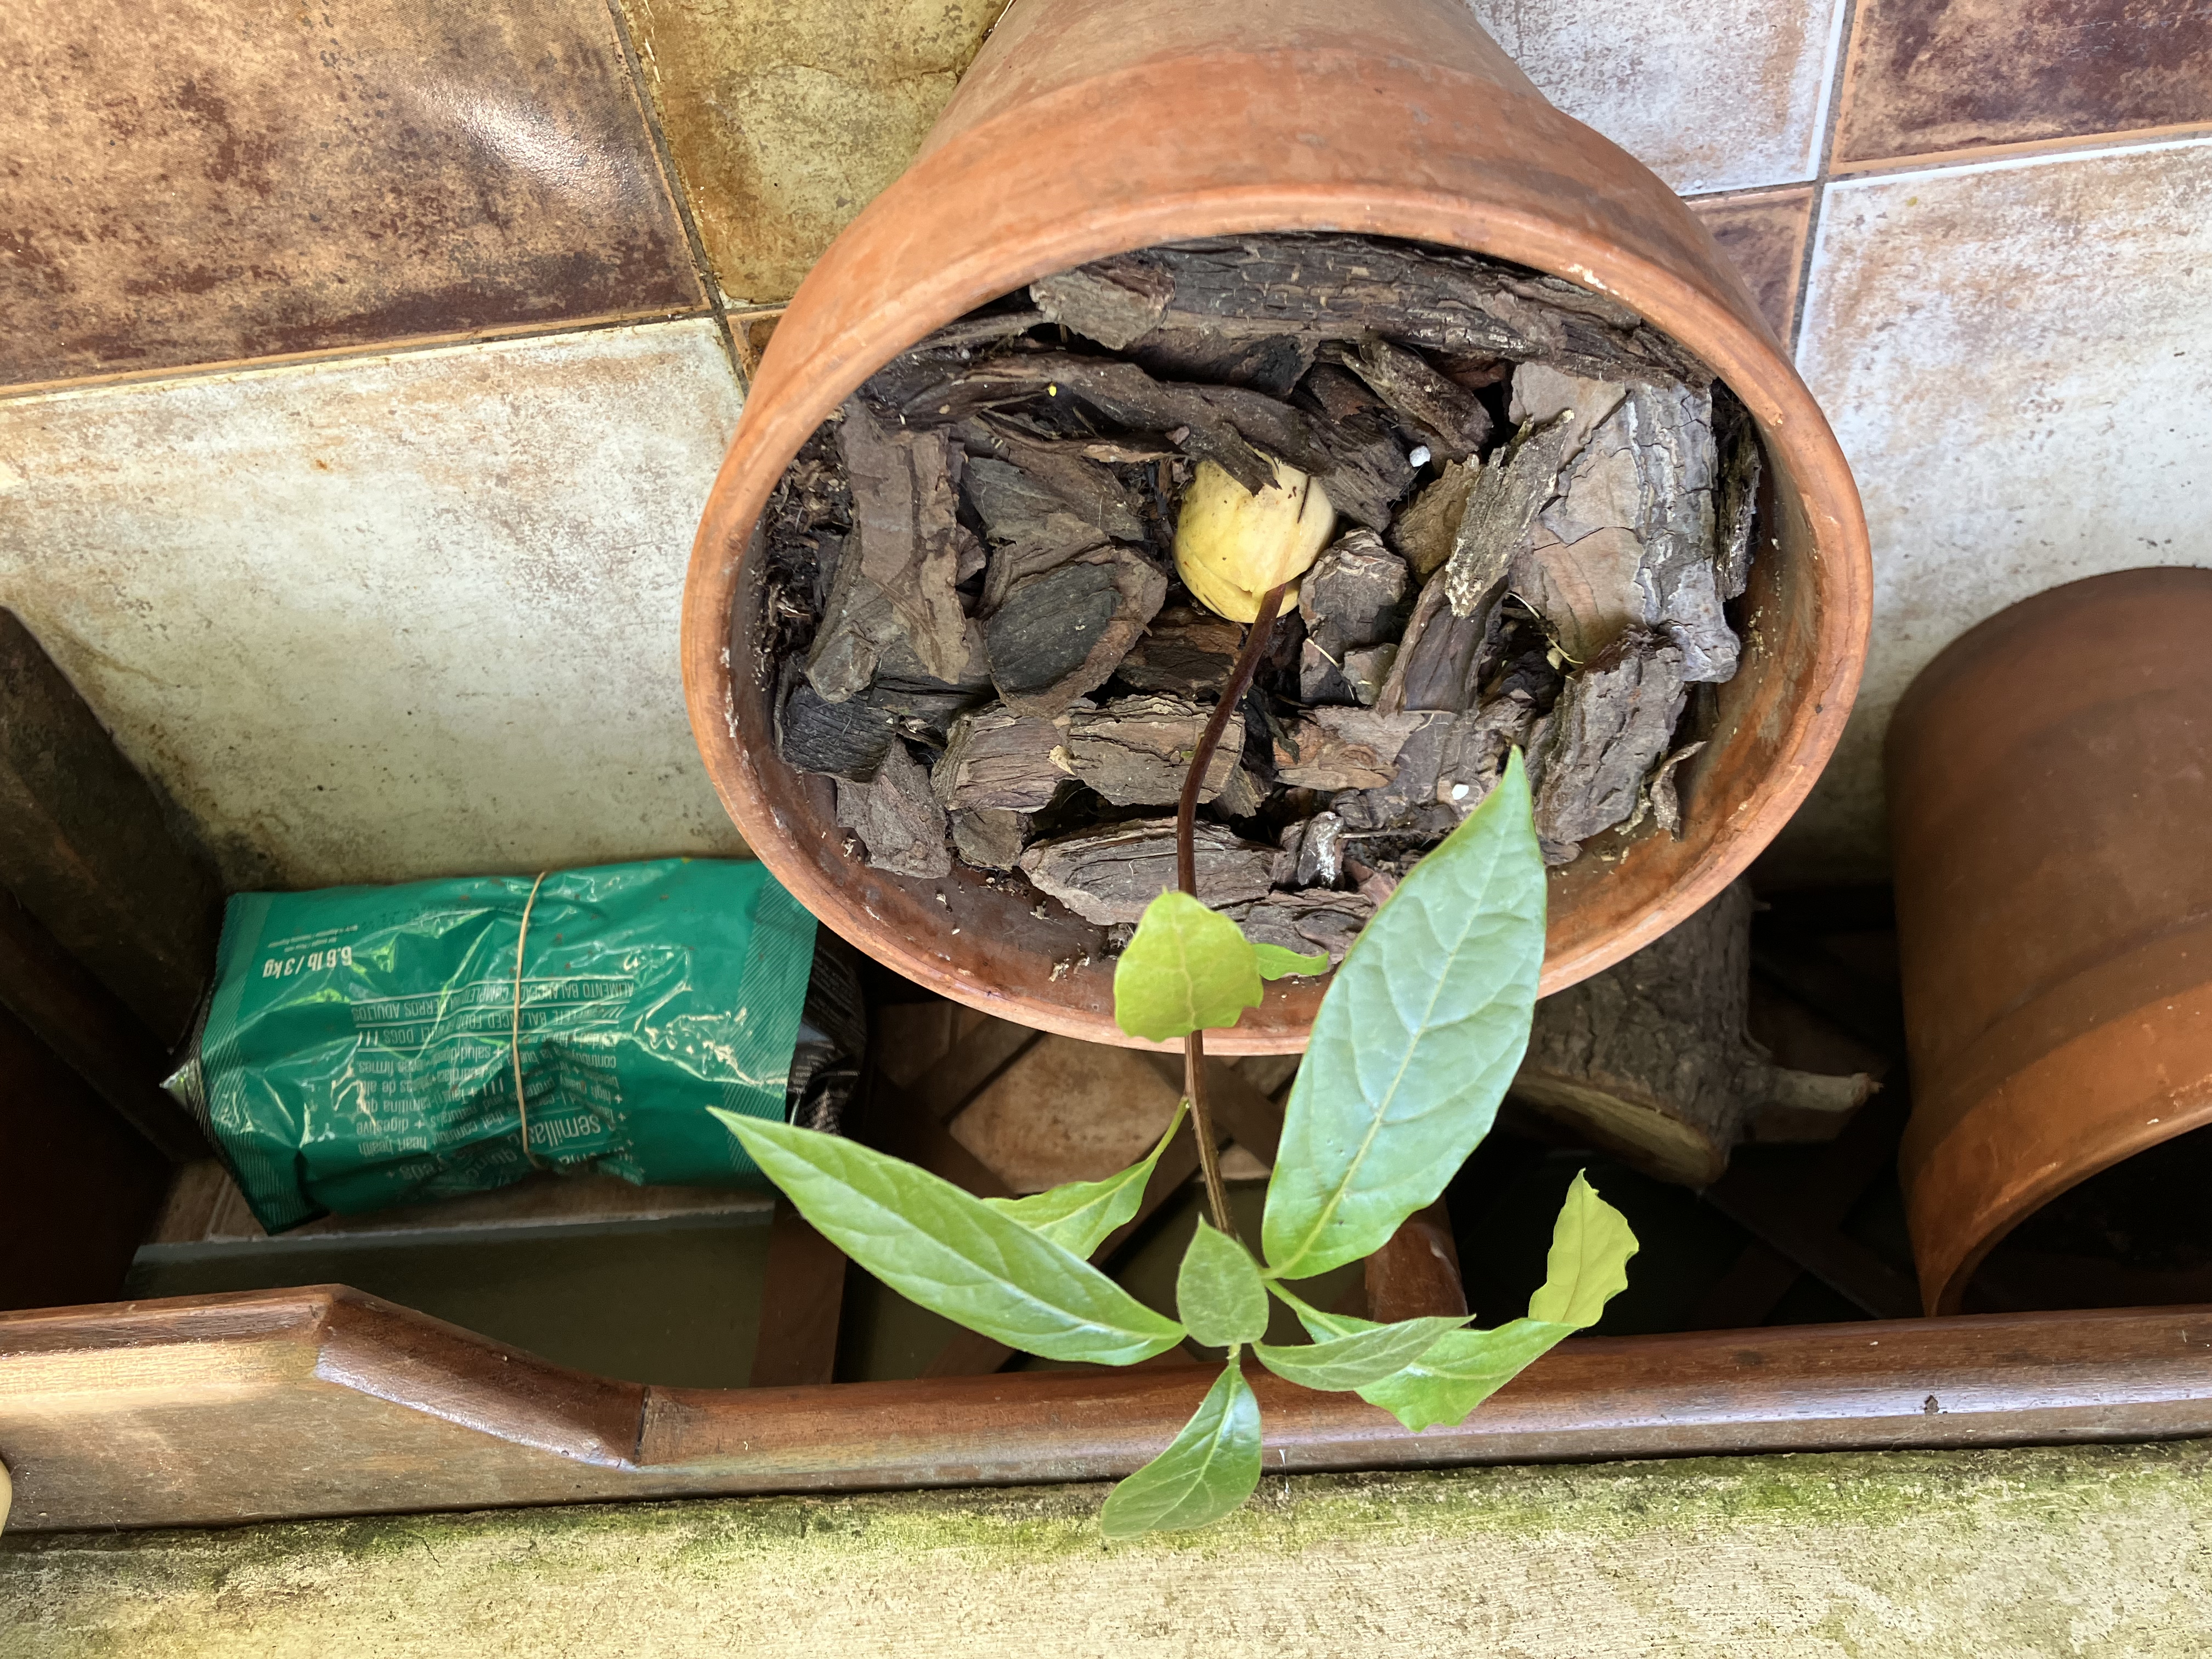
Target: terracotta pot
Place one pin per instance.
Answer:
(1092, 127)
(2049, 787)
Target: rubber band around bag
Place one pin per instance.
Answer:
(514, 1039)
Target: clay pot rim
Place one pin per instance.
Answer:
(1738, 350)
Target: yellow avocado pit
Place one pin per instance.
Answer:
(1232, 545)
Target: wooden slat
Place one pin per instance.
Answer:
(205, 1411)
(1416, 1274)
(85, 847)
(1241, 1111)
(802, 1296)
(975, 1063)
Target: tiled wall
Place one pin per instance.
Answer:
(363, 365)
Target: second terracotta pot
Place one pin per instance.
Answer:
(1092, 127)
(2051, 813)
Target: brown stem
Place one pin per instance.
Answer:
(1201, 759)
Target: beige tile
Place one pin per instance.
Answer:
(392, 616)
(1725, 94)
(786, 117)
(2018, 359)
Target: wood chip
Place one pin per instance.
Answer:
(1059, 635)
(1136, 751)
(1185, 652)
(1306, 922)
(1344, 748)
(1666, 799)
(1059, 478)
(897, 819)
(1451, 417)
(844, 739)
(1735, 505)
(1614, 721)
(989, 837)
(1356, 594)
(1001, 759)
(1111, 875)
(1364, 470)
(896, 587)
(1423, 534)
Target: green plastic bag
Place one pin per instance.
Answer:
(362, 1045)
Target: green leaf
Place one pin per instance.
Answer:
(1589, 1264)
(1420, 1033)
(1219, 1291)
(1079, 1215)
(951, 1252)
(1590, 1247)
(1276, 962)
(1188, 969)
(1357, 1357)
(1207, 1471)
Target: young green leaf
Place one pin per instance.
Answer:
(1415, 1043)
(1590, 1247)
(1219, 1291)
(1208, 1470)
(1078, 1215)
(1188, 969)
(1589, 1264)
(952, 1253)
(1357, 1357)
(1276, 962)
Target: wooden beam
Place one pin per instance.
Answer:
(1416, 1274)
(283, 1404)
(1246, 1116)
(88, 1026)
(974, 1063)
(85, 845)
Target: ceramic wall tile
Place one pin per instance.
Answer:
(1926, 76)
(204, 181)
(786, 117)
(389, 616)
(1765, 235)
(1727, 94)
(2017, 358)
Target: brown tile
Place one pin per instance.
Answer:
(786, 117)
(1765, 235)
(208, 180)
(1931, 76)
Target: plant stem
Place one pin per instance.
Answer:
(1201, 759)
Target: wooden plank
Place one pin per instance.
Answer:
(802, 1296)
(86, 847)
(974, 1063)
(269, 1405)
(88, 1027)
(1249, 1118)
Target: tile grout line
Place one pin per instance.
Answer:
(1823, 164)
(521, 334)
(649, 112)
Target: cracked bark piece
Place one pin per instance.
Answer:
(1185, 652)
(1273, 363)
(1344, 748)
(1439, 662)
(1304, 922)
(1614, 721)
(1135, 751)
(1355, 595)
(897, 819)
(1516, 483)
(1474, 747)
(1000, 759)
(1243, 795)
(1666, 797)
(1345, 288)
(1423, 534)
(1111, 875)
(1059, 635)
(1450, 417)
(896, 588)
(1322, 679)
(990, 837)
(1411, 786)
(1047, 477)
(1364, 469)
(1367, 670)
(1670, 429)
(1320, 859)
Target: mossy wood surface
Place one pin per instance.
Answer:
(2088, 1550)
